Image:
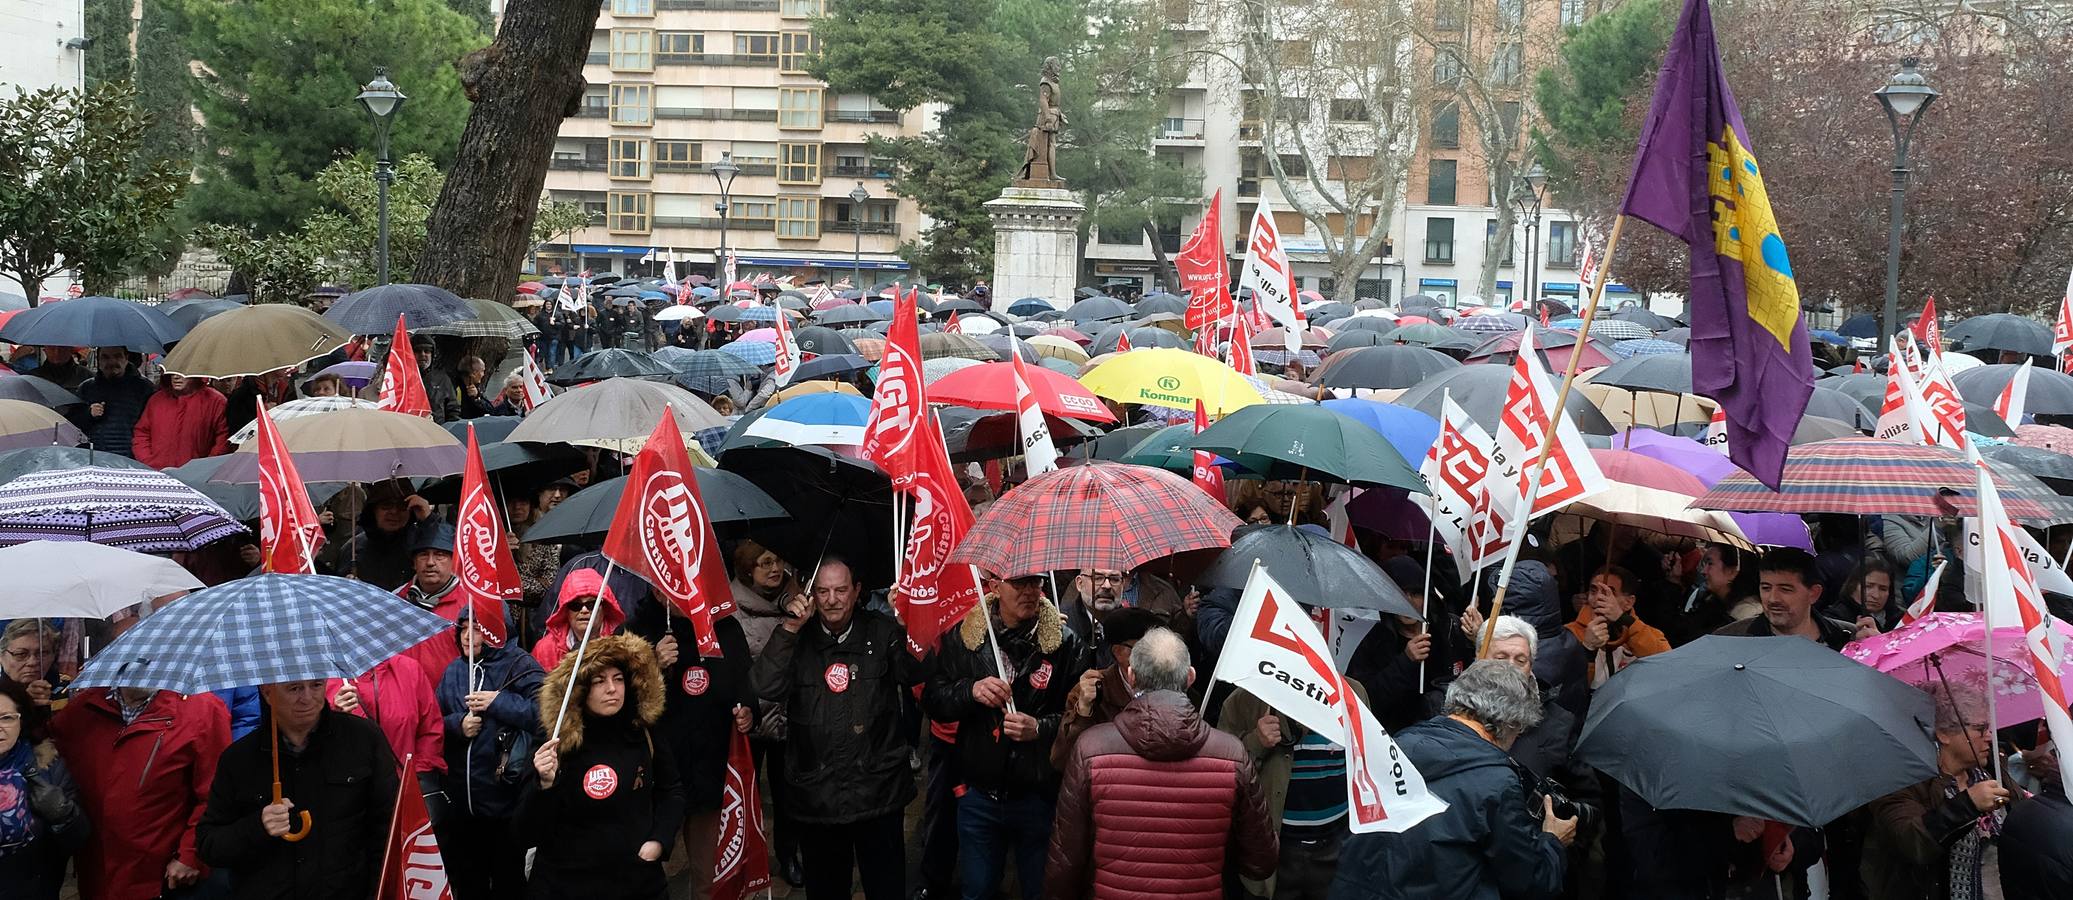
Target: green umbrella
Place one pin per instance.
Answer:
(1310, 443)
(1172, 448)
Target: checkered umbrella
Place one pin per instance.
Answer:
(492, 320)
(1495, 323)
(1620, 330)
(1863, 476)
(1095, 516)
(263, 630)
(759, 353)
(136, 509)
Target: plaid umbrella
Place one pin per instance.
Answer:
(1095, 516)
(263, 630)
(1868, 476)
(965, 346)
(296, 409)
(761, 353)
(136, 509)
(1645, 347)
(1620, 330)
(492, 320)
(1496, 323)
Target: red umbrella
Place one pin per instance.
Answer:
(992, 386)
(1095, 516)
(1071, 334)
(531, 287)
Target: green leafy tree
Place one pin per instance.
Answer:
(82, 187)
(278, 268)
(277, 95)
(1587, 98)
(556, 221)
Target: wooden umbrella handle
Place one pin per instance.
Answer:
(304, 830)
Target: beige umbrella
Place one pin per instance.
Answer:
(356, 444)
(1651, 409)
(815, 387)
(253, 341)
(25, 424)
(616, 414)
(1052, 346)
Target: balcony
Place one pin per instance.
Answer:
(703, 168)
(711, 113)
(860, 172)
(576, 164)
(592, 111)
(723, 5)
(1249, 130)
(836, 226)
(761, 60)
(1174, 130)
(863, 116)
(713, 222)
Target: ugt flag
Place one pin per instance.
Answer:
(662, 533)
(741, 861)
(413, 868)
(1696, 177)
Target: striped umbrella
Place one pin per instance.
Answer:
(296, 409)
(1863, 476)
(1620, 330)
(136, 509)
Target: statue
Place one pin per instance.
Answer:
(1040, 162)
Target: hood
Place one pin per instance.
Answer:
(492, 640)
(644, 697)
(1050, 626)
(1162, 726)
(1532, 596)
(1441, 747)
(586, 583)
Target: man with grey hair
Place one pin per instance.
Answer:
(1487, 844)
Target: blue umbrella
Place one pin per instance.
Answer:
(189, 313)
(1411, 432)
(759, 314)
(1860, 326)
(1029, 306)
(1830, 337)
(761, 353)
(825, 419)
(94, 322)
(703, 291)
(374, 311)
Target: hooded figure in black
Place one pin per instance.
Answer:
(608, 800)
(491, 710)
(381, 551)
(708, 700)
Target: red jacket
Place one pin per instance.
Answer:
(178, 428)
(1126, 785)
(143, 785)
(396, 696)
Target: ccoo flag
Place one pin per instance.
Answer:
(1696, 177)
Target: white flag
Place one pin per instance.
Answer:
(787, 350)
(1039, 455)
(1904, 416)
(2044, 569)
(536, 390)
(2005, 576)
(1267, 272)
(1275, 652)
(1926, 603)
(1569, 473)
(1946, 410)
(2009, 405)
(1716, 431)
(1455, 471)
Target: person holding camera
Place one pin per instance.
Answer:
(1487, 843)
(1607, 628)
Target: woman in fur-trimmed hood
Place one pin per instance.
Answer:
(608, 801)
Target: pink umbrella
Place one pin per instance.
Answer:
(765, 335)
(1414, 320)
(2056, 438)
(531, 287)
(1951, 647)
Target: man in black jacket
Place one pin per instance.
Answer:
(839, 671)
(335, 768)
(115, 398)
(1007, 705)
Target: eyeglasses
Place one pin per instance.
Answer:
(10, 720)
(1103, 577)
(26, 655)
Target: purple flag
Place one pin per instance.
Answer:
(1695, 177)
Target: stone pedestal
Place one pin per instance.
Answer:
(1036, 245)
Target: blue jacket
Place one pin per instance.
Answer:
(125, 398)
(486, 774)
(1485, 845)
(244, 709)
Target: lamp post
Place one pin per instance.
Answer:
(1905, 97)
(857, 198)
(724, 172)
(381, 100)
(1526, 198)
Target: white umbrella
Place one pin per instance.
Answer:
(77, 579)
(296, 409)
(679, 312)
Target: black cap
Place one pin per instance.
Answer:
(1128, 623)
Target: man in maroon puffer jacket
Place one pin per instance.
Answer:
(1156, 803)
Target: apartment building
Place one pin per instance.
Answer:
(679, 86)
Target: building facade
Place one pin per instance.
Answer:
(678, 86)
(46, 47)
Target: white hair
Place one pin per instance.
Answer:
(1159, 662)
(1515, 627)
(1499, 697)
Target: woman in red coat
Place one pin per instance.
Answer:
(396, 695)
(183, 421)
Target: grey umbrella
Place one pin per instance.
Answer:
(2050, 393)
(1162, 303)
(853, 314)
(1833, 404)
(2041, 463)
(374, 310)
(36, 390)
(598, 365)
(1095, 309)
(2000, 331)
(1864, 387)
(822, 340)
(1315, 569)
(1392, 366)
(1375, 324)
(1667, 373)
(1146, 336)
(1354, 340)
(1480, 392)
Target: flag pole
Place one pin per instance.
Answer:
(1432, 536)
(1547, 441)
(596, 613)
(395, 815)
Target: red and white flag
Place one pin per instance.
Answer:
(1904, 416)
(1241, 349)
(402, 388)
(482, 565)
(1454, 471)
(535, 380)
(953, 326)
(1587, 265)
(933, 594)
(289, 532)
(662, 533)
(1946, 420)
(1206, 474)
(1568, 474)
(2007, 574)
(899, 404)
(788, 354)
(741, 859)
(1272, 281)
(1716, 431)
(730, 272)
(1205, 270)
(1039, 454)
(2009, 403)
(2062, 330)
(412, 868)
(1926, 603)
(1123, 344)
(1928, 331)
(1275, 652)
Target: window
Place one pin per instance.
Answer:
(798, 164)
(1358, 52)
(799, 217)
(1288, 221)
(1362, 225)
(1447, 14)
(627, 212)
(800, 9)
(1439, 182)
(1353, 110)
(1296, 53)
(1562, 244)
(1446, 64)
(1510, 13)
(1573, 13)
(633, 50)
(1293, 109)
(676, 156)
(633, 7)
(679, 43)
(754, 209)
(799, 108)
(1508, 63)
(1446, 125)
(1491, 240)
(633, 104)
(1439, 240)
(761, 43)
(1294, 165)
(793, 49)
(630, 158)
(1508, 117)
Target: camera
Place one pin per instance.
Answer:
(1585, 814)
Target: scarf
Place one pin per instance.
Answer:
(1969, 855)
(17, 825)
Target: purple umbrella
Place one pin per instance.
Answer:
(1766, 529)
(136, 509)
(356, 374)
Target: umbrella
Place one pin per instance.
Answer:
(1951, 648)
(760, 353)
(1980, 420)
(1113, 446)
(822, 341)
(615, 414)
(1316, 570)
(1095, 309)
(1829, 403)
(1621, 330)
(1651, 495)
(1160, 303)
(266, 629)
(1480, 391)
(1642, 317)
(934, 370)
(1311, 443)
(13, 301)
(850, 314)
(1029, 306)
(708, 372)
(189, 313)
(1172, 448)
(958, 304)
(825, 419)
(1380, 324)
(1006, 346)
(2006, 332)
(598, 365)
(1649, 347)
(1094, 516)
(1666, 374)
(833, 505)
(1175, 379)
(839, 364)
(1071, 334)
(1816, 428)
(1395, 366)
(1313, 338)
(30, 389)
(515, 470)
(1492, 323)
(2040, 463)
(374, 310)
(992, 386)
(962, 346)
(1426, 334)
(759, 314)
(93, 322)
(296, 409)
(804, 388)
(24, 424)
(1709, 466)
(2056, 438)
(492, 320)
(1554, 346)
(1354, 339)
(725, 312)
(976, 435)
(1860, 326)
(80, 580)
(137, 509)
(2050, 393)
(587, 514)
(679, 313)
(240, 500)
(47, 458)
(1869, 476)
(1411, 432)
(355, 373)
(488, 429)
(356, 445)
(1814, 735)
(1051, 346)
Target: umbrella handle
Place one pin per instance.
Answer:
(304, 831)
(299, 833)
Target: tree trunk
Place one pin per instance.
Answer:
(1166, 267)
(523, 85)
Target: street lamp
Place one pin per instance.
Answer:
(1526, 198)
(1905, 98)
(381, 100)
(724, 172)
(856, 214)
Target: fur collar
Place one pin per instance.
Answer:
(1050, 625)
(623, 651)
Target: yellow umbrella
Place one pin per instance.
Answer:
(1051, 346)
(1652, 409)
(815, 387)
(1171, 378)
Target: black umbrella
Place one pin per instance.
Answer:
(94, 322)
(1316, 570)
(1162, 303)
(2050, 393)
(189, 313)
(1376, 324)
(1354, 339)
(488, 429)
(587, 514)
(2000, 331)
(2041, 463)
(240, 500)
(514, 469)
(1777, 728)
(1112, 446)
(843, 364)
(36, 390)
(1395, 366)
(1643, 318)
(1420, 305)
(598, 365)
(1095, 309)
(1864, 325)
(374, 310)
(822, 340)
(16, 463)
(1677, 336)
(1668, 373)
(835, 505)
(1480, 390)
(853, 314)
(725, 312)
(1982, 420)
(1008, 346)
(959, 304)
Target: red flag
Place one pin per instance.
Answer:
(1205, 339)
(933, 594)
(952, 326)
(1207, 476)
(289, 533)
(1205, 270)
(1927, 332)
(1543, 315)
(661, 532)
(741, 860)
(788, 354)
(1123, 341)
(2062, 329)
(412, 868)
(536, 390)
(482, 563)
(402, 388)
(1241, 349)
(899, 405)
